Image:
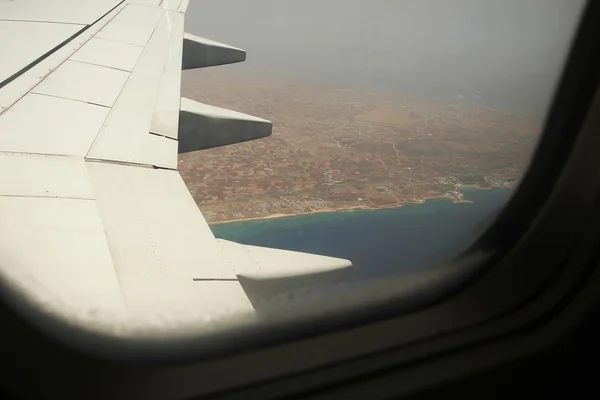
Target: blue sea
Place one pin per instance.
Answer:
(379, 242)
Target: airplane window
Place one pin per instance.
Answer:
(400, 128)
(360, 147)
(350, 161)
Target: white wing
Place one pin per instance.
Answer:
(97, 228)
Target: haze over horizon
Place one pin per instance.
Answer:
(506, 53)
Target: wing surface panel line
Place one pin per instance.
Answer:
(115, 41)
(67, 98)
(99, 65)
(41, 22)
(127, 164)
(41, 58)
(52, 67)
(55, 49)
(46, 197)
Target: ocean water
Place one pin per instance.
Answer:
(379, 242)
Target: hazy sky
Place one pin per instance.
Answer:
(508, 52)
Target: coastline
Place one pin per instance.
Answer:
(351, 209)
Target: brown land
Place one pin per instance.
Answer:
(338, 148)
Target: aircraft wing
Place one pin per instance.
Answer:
(97, 227)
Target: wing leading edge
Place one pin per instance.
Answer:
(98, 228)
